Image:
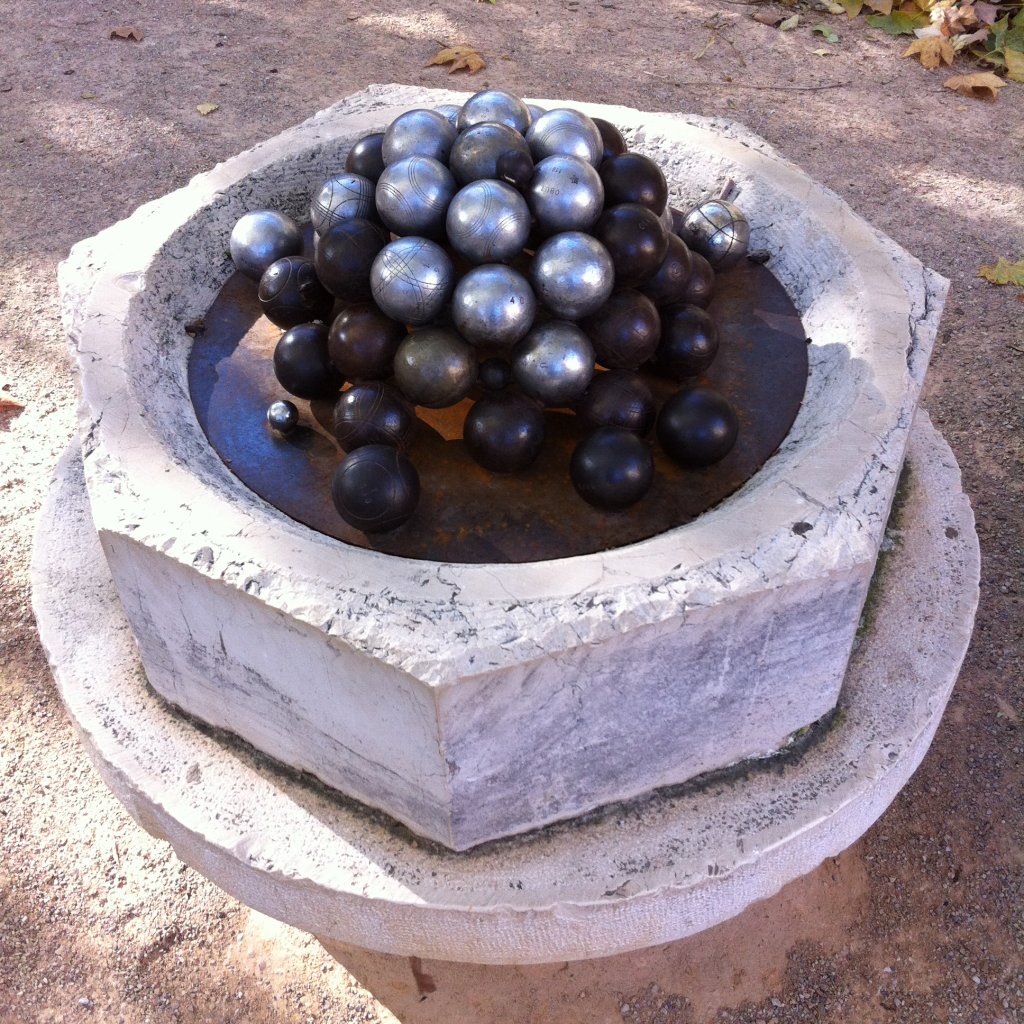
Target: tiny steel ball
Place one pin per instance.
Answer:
(362, 342)
(493, 305)
(612, 468)
(701, 285)
(375, 488)
(342, 197)
(565, 132)
(366, 158)
(411, 279)
(565, 194)
(302, 365)
(260, 238)
(624, 331)
(450, 111)
(504, 432)
(553, 363)
(669, 282)
(413, 196)
(689, 342)
(494, 374)
(434, 367)
(282, 417)
(477, 150)
(635, 240)
(290, 293)
(634, 178)
(488, 222)
(618, 398)
(719, 231)
(373, 413)
(572, 274)
(611, 137)
(418, 133)
(697, 427)
(344, 258)
(494, 106)
(515, 169)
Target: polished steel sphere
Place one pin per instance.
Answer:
(572, 274)
(434, 367)
(535, 111)
(494, 106)
(493, 305)
(477, 150)
(565, 194)
(553, 363)
(413, 196)
(719, 231)
(411, 279)
(418, 133)
(260, 238)
(282, 417)
(565, 132)
(450, 111)
(488, 222)
(341, 197)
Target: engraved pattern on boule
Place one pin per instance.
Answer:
(418, 133)
(488, 222)
(494, 106)
(413, 195)
(565, 132)
(342, 196)
(411, 279)
(719, 231)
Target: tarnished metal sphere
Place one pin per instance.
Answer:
(493, 306)
(565, 132)
(418, 133)
(434, 367)
(477, 150)
(503, 432)
(634, 178)
(375, 489)
(344, 257)
(413, 196)
(362, 342)
(612, 468)
(342, 197)
(282, 417)
(494, 106)
(700, 286)
(697, 427)
(688, 343)
(553, 363)
(373, 413)
(260, 238)
(572, 274)
(290, 293)
(411, 279)
(624, 331)
(516, 169)
(365, 156)
(302, 364)
(565, 194)
(488, 222)
(719, 231)
(618, 398)
(450, 111)
(614, 143)
(669, 282)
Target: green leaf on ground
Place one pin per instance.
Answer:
(790, 23)
(824, 30)
(898, 23)
(1004, 272)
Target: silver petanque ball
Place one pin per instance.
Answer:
(413, 196)
(341, 196)
(553, 363)
(282, 417)
(488, 222)
(476, 151)
(719, 231)
(411, 279)
(418, 133)
(497, 106)
(493, 305)
(572, 274)
(262, 237)
(434, 367)
(565, 194)
(535, 111)
(565, 132)
(451, 111)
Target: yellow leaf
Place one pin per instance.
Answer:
(207, 108)
(853, 7)
(981, 86)
(879, 6)
(932, 51)
(1014, 64)
(1004, 272)
(461, 57)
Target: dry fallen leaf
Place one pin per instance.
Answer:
(127, 32)
(207, 108)
(1014, 64)
(879, 6)
(461, 58)
(932, 51)
(1004, 272)
(790, 23)
(10, 405)
(981, 86)
(767, 18)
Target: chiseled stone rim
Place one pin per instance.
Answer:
(636, 875)
(870, 309)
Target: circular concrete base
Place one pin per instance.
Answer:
(631, 876)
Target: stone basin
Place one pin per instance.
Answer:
(472, 702)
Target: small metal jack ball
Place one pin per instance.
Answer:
(282, 417)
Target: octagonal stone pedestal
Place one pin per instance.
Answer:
(472, 702)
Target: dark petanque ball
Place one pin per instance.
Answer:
(635, 240)
(345, 255)
(612, 468)
(260, 238)
(373, 413)
(669, 282)
(689, 342)
(494, 374)
(678, 221)
(618, 398)
(290, 293)
(418, 133)
(375, 488)
(302, 365)
(697, 427)
(634, 178)
(362, 342)
(365, 156)
(614, 143)
(477, 150)
(434, 367)
(282, 417)
(624, 331)
(504, 432)
(701, 285)
(553, 363)
(515, 169)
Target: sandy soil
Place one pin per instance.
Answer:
(920, 921)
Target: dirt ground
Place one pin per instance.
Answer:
(920, 921)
